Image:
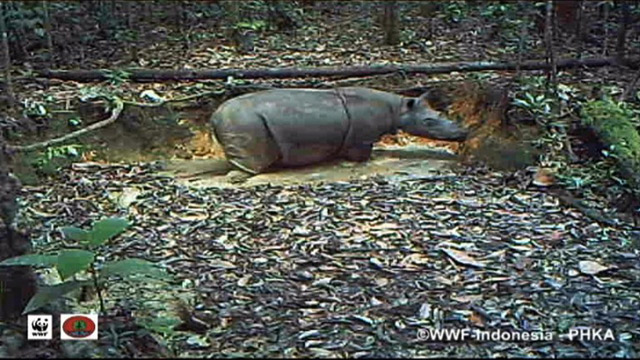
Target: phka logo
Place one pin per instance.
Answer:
(39, 327)
(79, 326)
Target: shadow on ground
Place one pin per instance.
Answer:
(389, 161)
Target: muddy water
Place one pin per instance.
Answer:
(388, 161)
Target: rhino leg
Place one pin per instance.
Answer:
(358, 153)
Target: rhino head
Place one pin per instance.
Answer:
(417, 118)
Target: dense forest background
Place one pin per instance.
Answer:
(537, 230)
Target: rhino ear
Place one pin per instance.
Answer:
(421, 100)
(425, 98)
(436, 99)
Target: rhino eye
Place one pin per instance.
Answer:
(411, 103)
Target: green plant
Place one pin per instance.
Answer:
(34, 109)
(117, 77)
(497, 9)
(255, 25)
(49, 160)
(127, 36)
(74, 121)
(533, 99)
(25, 18)
(71, 262)
(539, 106)
(455, 11)
(616, 124)
(588, 177)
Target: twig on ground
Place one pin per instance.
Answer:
(119, 105)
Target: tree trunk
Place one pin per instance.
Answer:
(129, 9)
(102, 18)
(622, 31)
(390, 23)
(279, 18)
(606, 28)
(580, 28)
(178, 9)
(524, 35)
(19, 31)
(567, 12)
(148, 5)
(6, 57)
(17, 283)
(47, 30)
(548, 37)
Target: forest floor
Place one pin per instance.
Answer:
(352, 268)
(341, 259)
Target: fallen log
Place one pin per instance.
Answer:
(155, 75)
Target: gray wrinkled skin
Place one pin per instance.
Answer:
(420, 120)
(294, 127)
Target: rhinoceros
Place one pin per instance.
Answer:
(294, 127)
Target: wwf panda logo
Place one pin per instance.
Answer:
(39, 327)
(40, 324)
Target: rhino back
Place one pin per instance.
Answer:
(307, 125)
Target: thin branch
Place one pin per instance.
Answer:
(119, 105)
(165, 101)
(94, 275)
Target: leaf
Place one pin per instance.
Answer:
(463, 258)
(128, 197)
(47, 294)
(416, 258)
(73, 261)
(130, 267)
(364, 319)
(589, 267)
(74, 233)
(309, 333)
(198, 341)
(105, 229)
(543, 177)
(476, 319)
(530, 97)
(425, 311)
(32, 260)
(243, 281)
(466, 298)
(221, 264)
